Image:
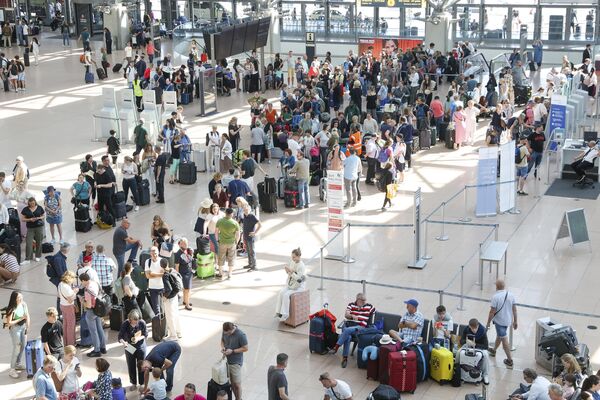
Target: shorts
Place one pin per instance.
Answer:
(522, 171)
(235, 373)
(501, 330)
(21, 76)
(291, 72)
(227, 252)
(400, 166)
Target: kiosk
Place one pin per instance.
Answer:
(127, 115)
(107, 117)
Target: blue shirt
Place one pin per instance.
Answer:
(237, 188)
(407, 132)
(44, 386)
(351, 167)
(59, 262)
(82, 190)
(169, 350)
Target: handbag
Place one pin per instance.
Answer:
(58, 384)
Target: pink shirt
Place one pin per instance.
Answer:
(437, 108)
(196, 397)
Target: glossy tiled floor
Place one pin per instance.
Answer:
(51, 125)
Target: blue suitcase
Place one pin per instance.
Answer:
(185, 98)
(316, 338)
(34, 356)
(89, 77)
(366, 337)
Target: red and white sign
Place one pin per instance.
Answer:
(335, 212)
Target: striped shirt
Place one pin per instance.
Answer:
(104, 267)
(361, 314)
(10, 262)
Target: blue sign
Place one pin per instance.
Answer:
(557, 117)
(487, 172)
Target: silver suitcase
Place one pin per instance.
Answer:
(199, 158)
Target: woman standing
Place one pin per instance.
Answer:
(130, 290)
(157, 225)
(103, 384)
(104, 62)
(538, 52)
(183, 264)
(296, 282)
(471, 113)
(335, 159)
(226, 162)
(17, 321)
(21, 195)
(387, 178)
(399, 151)
(257, 141)
(134, 332)
(68, 371)
(108, 41)
(459, 126)
(130, 170)
(53, 207)
(148, 159)
(220, 196)
(35, 49)
(81, 191)
(176, 157)
(138, 93)
(33, 215)
(210, 226)
(234, 134)
(203, 212)
(67, 296)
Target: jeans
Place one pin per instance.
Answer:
(171, 370)
(19, 339)
(346, 337)
(303, 192)
(94, 324)
(350, 187)
(131, 184)
(66, 39)
(250, 250)
(155, 295)
(213, 239)
(438, 122)
(136, 375)
(535, 160)
(133, 247)
(36, 234)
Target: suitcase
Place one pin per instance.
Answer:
(34, 356)
(101, 74)
(281, 188)
(159, 327)
(144, 193)
(267, 201)
(270, 185)
(415, 144)
(316, 338)
(6, 85)
(373, 369)
(83, 223)
(449, 139)
(147, 312)
(214, 388)
(443, 129)
(291, 198)
(383, 359)
(187, 173)
(117, 316)
(402, 370)
(138, 275)
(117, 67)
(532, 66)
(119, 197)
(199, 158)
(384, 392)
(290, 184)
(185, 98)
(299, 308)
(366, 337)
(475, 396)
(425, 139)
(441, 365)
(202, 245)
(323, 189)
(205, 265)
(433, 135)
(26, 57)
(120, 210)
(89, 77)
(471, 361)
(422, 352)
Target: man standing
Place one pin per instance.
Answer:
(104, 267)
(587, 53)
(248, 168)
(94, 322)
(122, 243)
(229, 234)
(44, 385)
(276, 380)
(536, 143)
(290, 63)
(302, 170)
(411, 324)
(164, 356)
(371, 152)
(140, 136)
(437, 109)
(335, 389)
(503, 313)
(52, 334)
(160, 166)
(154, 273)
(352, 170)
(104, 186)
(250, 225)
(233, 345)
(237, 187)
(521, 165)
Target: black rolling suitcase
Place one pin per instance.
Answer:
(26, 57)
(449, 138)
(425, 139)
(100, 73)
(187, 173)
(120, 210)
(291, 198)
(6, 85)
(159, 327)
(12, 239)
(267, 201)
(270, 185)
(117, 67)
(144, 193)
(83, 223)
(14, 220)
(117, 316)
(214, 388)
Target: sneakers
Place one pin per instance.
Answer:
(25, 262)
(14, 374)
(486, 380)
(37, 259)
(345, 362)
(508, 363)
(136, 208)
(491, 352)
(94, 354)
(334, 350)
(20, 367)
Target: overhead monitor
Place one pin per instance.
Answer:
(264, 24)
(589, 136)
(223, 43)
(239, 35)
(251, 33)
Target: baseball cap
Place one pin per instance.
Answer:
(412, 302)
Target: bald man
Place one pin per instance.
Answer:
(503, 313)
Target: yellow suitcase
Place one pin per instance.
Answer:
(441, 364)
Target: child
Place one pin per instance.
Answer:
(118, 393)
(157, 388)
(442, 326)
(568, 385)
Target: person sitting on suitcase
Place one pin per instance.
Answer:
(358, 316)
(475, 336)
(411, 324)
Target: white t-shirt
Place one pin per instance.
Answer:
(211, 220)
(4, 198)
(91, 273)
(590, 155)
(504, 313)
(340, 391)
(293, 146)
(154, 267)
(65, 290)
(71, 382)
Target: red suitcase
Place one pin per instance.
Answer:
(373, 369)
(384, 350)
(402, 369)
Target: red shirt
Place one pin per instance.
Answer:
(437, 108)
(196, 397)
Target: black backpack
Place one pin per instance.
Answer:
(14, 70)
(176, 284)
(103, 304)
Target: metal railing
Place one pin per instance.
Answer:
(95, 137)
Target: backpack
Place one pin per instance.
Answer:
(103, 304)
(421, 111)
(82, 58)
(382, 157)
(105, 220)
(176, 284)
(518, 157)
(14, 70)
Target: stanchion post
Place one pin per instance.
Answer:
(465, 217)
(364, 287)
(321, 267)
(441, 294)
(443, 237)
(461, 305)
(425, 255)
(510, 339)
(347, 258)
(496, 232)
